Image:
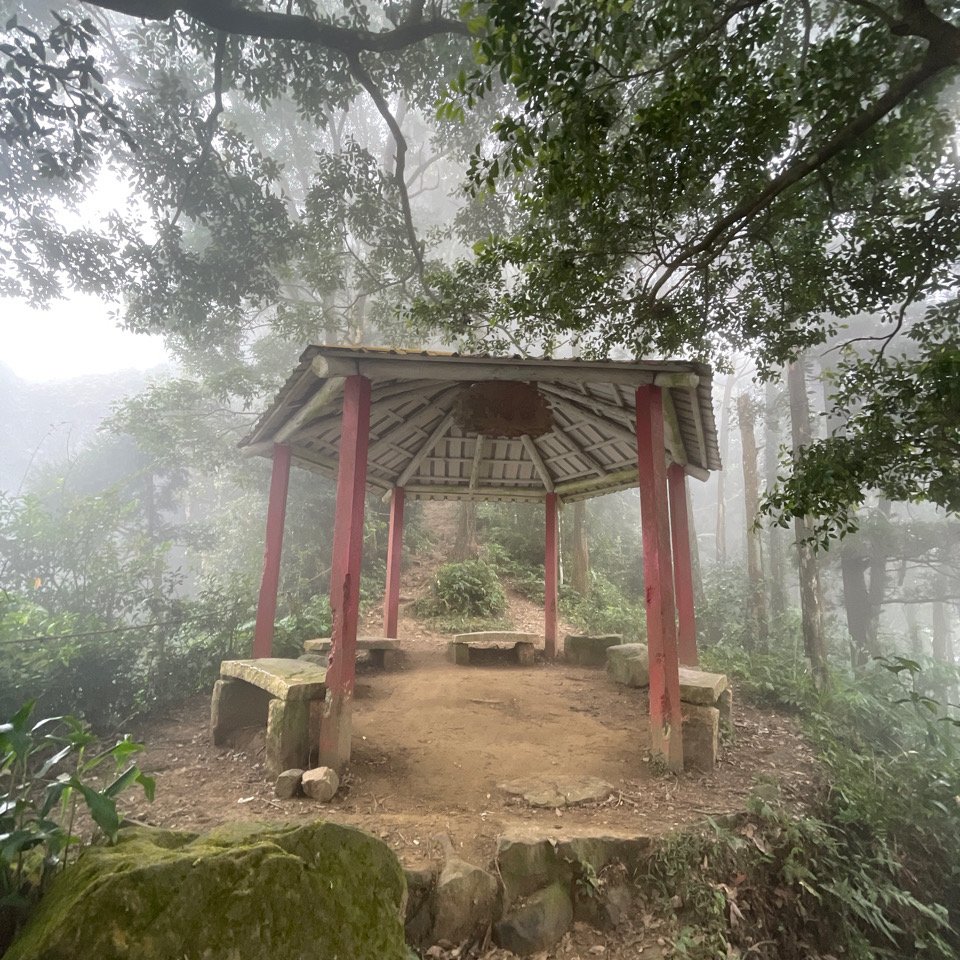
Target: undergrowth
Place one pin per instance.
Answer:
(870, 868)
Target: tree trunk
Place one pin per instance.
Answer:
(580, 574)
(465, 545)
(811, 597)
(746, 414)
(856, 604)
(721, 538)
(878, 585)
(771, 448)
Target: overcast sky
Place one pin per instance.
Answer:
(71, 338)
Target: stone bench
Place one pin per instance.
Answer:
(284, 695)
(383, 652)
(467, 648)
(590, 651)
(706, 702)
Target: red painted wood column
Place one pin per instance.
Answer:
(276, 513)
(551, 564)
(666, 733)
(335, 725)
(682, 566)
(391, 599)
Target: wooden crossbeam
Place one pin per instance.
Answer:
(530, 446)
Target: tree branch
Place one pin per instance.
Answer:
(942, 53)
(231, 17)
(363, 77)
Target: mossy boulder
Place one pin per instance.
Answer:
(319, 891)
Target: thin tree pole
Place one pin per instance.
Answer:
(771, 448)
(720, 542)
(811, 596)
(746, 414)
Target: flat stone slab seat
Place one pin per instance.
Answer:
(464, 647)
(383, 652)
(590, 651)
(284, 695)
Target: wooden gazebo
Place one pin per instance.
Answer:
(445, 426)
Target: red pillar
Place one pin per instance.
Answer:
(682, 566)
(391, 599)
(551, 563)
(345, 572)
(665, 720)
(276, 512)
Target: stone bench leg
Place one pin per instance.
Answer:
(701, 726)
(288, 736)
(524, 654)
(459, 653)
(389, 659)
(236, 704)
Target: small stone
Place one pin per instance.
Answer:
(288, 784)
(321, 783)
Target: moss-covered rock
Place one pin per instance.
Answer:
(319, 891)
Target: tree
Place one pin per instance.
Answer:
(732, 176)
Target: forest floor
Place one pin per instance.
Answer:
(433, 742)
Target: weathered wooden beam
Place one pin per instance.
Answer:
(478, 446)
(674, 439)
(478, 368)
(325, 395)
(574, 487)
(411, 468)
(463, 492)
(530, 446)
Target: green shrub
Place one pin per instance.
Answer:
(606, 609)
(470, 588)
(45, 771)
(873, 868)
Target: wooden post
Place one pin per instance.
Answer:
(666, 731)
(551, 558)
(682, 566)
(391, 598)
(276, 512)
(335, 725)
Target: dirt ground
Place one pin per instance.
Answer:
(432, 741)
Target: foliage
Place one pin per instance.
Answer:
(870, 867)
(470, 588)
(605, 609)
(898, 435)
(46, 770)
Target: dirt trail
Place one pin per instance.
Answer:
(432, 741)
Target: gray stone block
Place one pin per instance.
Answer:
(590, 651)
(627, 664)
(538, 924)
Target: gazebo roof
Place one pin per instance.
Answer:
(418, 441)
